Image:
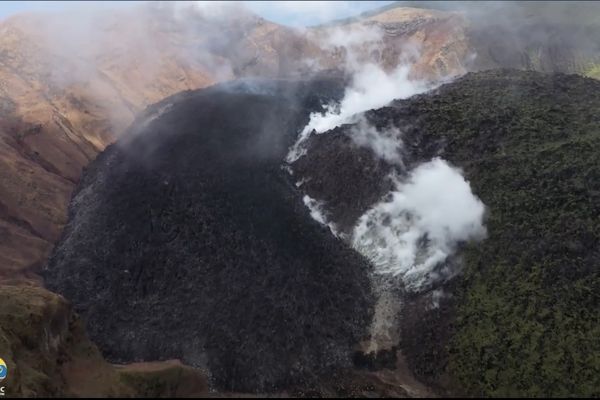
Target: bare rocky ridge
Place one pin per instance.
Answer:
(433, 42)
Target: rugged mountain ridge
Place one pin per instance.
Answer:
(557, 36)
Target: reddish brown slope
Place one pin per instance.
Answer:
(58, 109)
(434, 42)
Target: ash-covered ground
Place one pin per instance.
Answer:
(187, 239)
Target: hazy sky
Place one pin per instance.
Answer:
(302, 13)
(296, 13)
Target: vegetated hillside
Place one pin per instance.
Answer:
(523, 319)
(527, 319)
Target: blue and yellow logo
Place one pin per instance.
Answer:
(3, 369)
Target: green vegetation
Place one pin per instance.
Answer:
(166, 379)
(48, 354)
(527, 309)
(46, 349)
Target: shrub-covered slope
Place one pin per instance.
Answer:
(527, 319)
(524, 317)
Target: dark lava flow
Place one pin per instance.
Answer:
(187, 239)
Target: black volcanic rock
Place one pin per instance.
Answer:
(188, 240)
(347, 178)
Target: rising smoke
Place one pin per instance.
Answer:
(371, 88)
(371, 85)
(385, 143)
(318, 213)
(418, 225)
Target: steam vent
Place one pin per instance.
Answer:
(188, 240)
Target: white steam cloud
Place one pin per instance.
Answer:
(318, 214)
(352, 40)
(419, 224)
(371, 88)
(385, 143)
(371, 85)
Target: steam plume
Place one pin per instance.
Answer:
(371, 86)
(419, 224)
(416, 227)
(385, 143)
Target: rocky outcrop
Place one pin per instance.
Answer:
(42, 340)
(47, 352)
